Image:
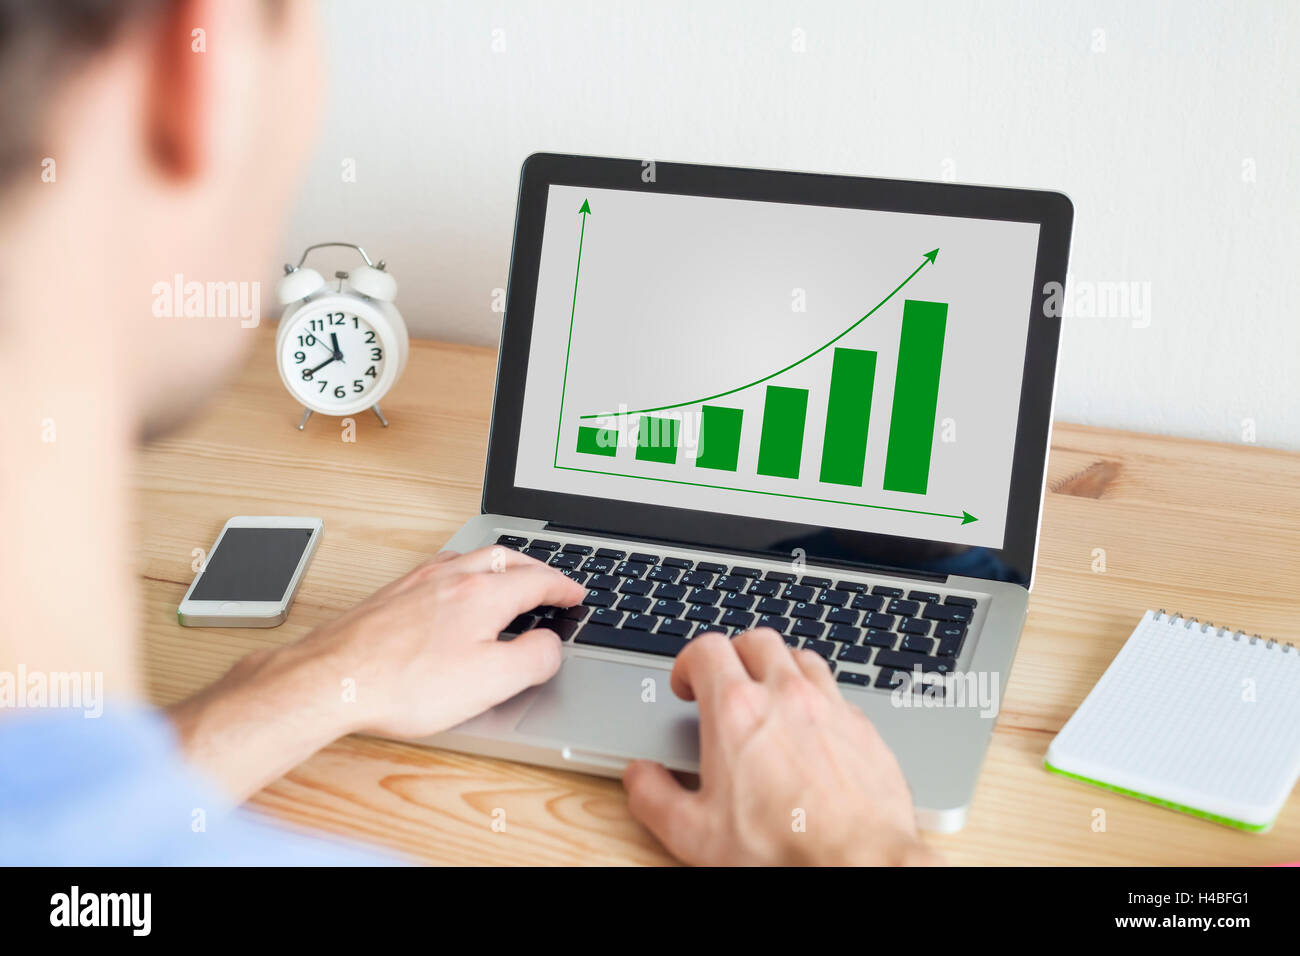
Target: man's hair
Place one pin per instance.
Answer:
(42, 42)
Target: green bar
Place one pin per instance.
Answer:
(781, 445)
(848, 412)
(656, 440)
(597, 441)
(719, 438)
(916, 396)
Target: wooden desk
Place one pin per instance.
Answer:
(1209, 530)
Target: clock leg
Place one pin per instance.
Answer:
(379, 415)
(306, 414)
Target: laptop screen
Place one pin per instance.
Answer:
(843, 368)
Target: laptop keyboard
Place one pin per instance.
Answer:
(871, 634)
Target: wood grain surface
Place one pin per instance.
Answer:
(1210, 530)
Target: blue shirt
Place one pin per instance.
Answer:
(116, 790)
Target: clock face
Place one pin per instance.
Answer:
(332, 359)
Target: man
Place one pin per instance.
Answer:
(146, 138)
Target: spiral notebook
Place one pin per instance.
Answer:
(1192, 717)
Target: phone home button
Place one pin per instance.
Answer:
(231, 607)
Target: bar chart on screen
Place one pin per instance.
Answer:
(701, 437)
(830, 366)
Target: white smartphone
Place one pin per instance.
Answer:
(252, 572)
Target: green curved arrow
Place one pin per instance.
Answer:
(927, 259)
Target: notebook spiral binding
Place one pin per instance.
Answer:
(1286, 646)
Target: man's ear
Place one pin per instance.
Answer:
(179, 106)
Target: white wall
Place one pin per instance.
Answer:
(1151, 116)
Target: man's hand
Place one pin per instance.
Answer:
(418, 656)
(790, 773)
(424, 651)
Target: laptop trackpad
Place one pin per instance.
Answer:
(615, 711)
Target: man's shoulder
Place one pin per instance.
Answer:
(114, 790)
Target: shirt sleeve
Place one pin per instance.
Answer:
(115, 790)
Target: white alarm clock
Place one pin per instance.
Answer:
(340, 348)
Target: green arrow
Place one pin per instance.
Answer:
(585, 211)
(966, 517)
(927, 259)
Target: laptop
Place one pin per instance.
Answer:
(729, 398)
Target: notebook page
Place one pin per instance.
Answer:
(1208, 721)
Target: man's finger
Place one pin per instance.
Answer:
(511, 666)
(764, 653)
(815, 668)
(493, 557)
(666, 808)
(501, 597)
(704, 665)
(415, 576)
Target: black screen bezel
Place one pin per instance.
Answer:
(1052, 211)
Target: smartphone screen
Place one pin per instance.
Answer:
(252, 564)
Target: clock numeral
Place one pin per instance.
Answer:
(370, 338)
(336, 318)
(355, 323)
(306, 340)
(306, 375)
(371, 372)
(323, 384)
(317, 325)
(358, 385)
(376, 354)
(300, 357)
(338, 391)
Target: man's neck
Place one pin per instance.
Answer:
(67, 582)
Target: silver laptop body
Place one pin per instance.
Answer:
(959, 603)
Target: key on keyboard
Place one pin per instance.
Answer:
(668, 645)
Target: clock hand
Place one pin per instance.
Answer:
(338, 352)
(312, 371)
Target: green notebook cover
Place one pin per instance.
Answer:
(1167, 804)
